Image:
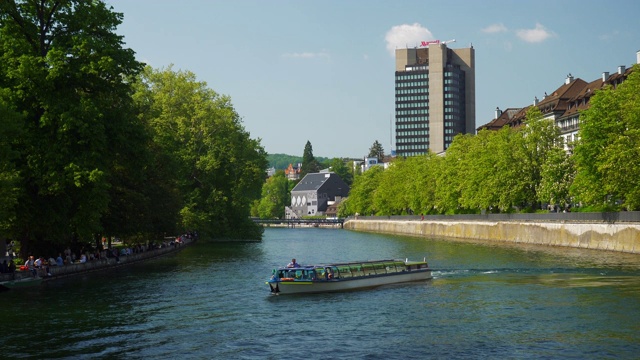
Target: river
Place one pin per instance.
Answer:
(210, 301)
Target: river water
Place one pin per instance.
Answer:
(210, 302)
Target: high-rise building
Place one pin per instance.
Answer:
(435, 97)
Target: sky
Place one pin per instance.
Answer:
(323, 71)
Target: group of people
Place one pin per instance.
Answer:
(41, 266)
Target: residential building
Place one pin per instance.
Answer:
(315, 192)
(563, 105)
(293, 173)
(434, 97)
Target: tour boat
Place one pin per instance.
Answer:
(346, 276)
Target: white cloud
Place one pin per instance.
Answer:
(365, 57)
(495, 28)
(539, 34)
(401, 36)
(306, 55)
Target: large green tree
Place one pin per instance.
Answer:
(377, 151)
(607, 154)
(275, 196)
(540, 137)
(218, 168)
(10, 123)
(68, 74)
(309, 162)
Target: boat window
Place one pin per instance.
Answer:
(390, 267)
(356, 270)
(344, 271)
(368, 269)
(380, 268)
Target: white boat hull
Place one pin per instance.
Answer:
(320, 286)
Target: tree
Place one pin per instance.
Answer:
(557, 175)
(539, 137)
(339, 167)
(390, 198)
(376, 151)
(69, 76)
(218, 169)
(362, 194)
(309, 162)
(275, 196)
(9, 177)
(607, 154)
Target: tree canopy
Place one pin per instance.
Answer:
(376, 151)
(309, 162)
(91, 145)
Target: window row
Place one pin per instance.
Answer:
(413, 119)
(412, 112)
(411, 133)
(412, 91)
(411, 105)
(411, 84)
(412, 98)
(410, 76)
(412, 147)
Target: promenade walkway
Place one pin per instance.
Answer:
(98, 264)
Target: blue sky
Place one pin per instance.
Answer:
(323, 71)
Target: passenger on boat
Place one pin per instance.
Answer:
(329, 273)
(293, 264)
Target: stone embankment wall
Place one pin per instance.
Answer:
(623, 237)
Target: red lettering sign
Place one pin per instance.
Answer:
(427, 43)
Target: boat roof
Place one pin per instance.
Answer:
(310, 267)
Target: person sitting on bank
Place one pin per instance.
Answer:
(293, 264)
(30, 265)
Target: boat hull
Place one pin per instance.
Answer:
(348, 284)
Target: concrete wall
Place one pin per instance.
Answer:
(622, 237)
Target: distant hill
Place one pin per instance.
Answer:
(282, 161)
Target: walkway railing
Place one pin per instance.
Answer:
(298, 222)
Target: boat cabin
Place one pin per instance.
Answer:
(347, 270)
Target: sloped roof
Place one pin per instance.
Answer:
(312, 181)
(567, 100)
(501, 120)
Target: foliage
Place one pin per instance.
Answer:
(376, 151)
(282, 161)
(9, 177)
(362, 194)
(68, 75)
(275, 196)
(309, 162)
(339, 167)
(87, 147)
(607, 155)
(219, 169)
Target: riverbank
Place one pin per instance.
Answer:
(621, 237)
(99, 264)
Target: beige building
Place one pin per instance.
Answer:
(434, 97)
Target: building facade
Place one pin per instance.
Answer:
(434, 97)
(315, 193)
(563, 105)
